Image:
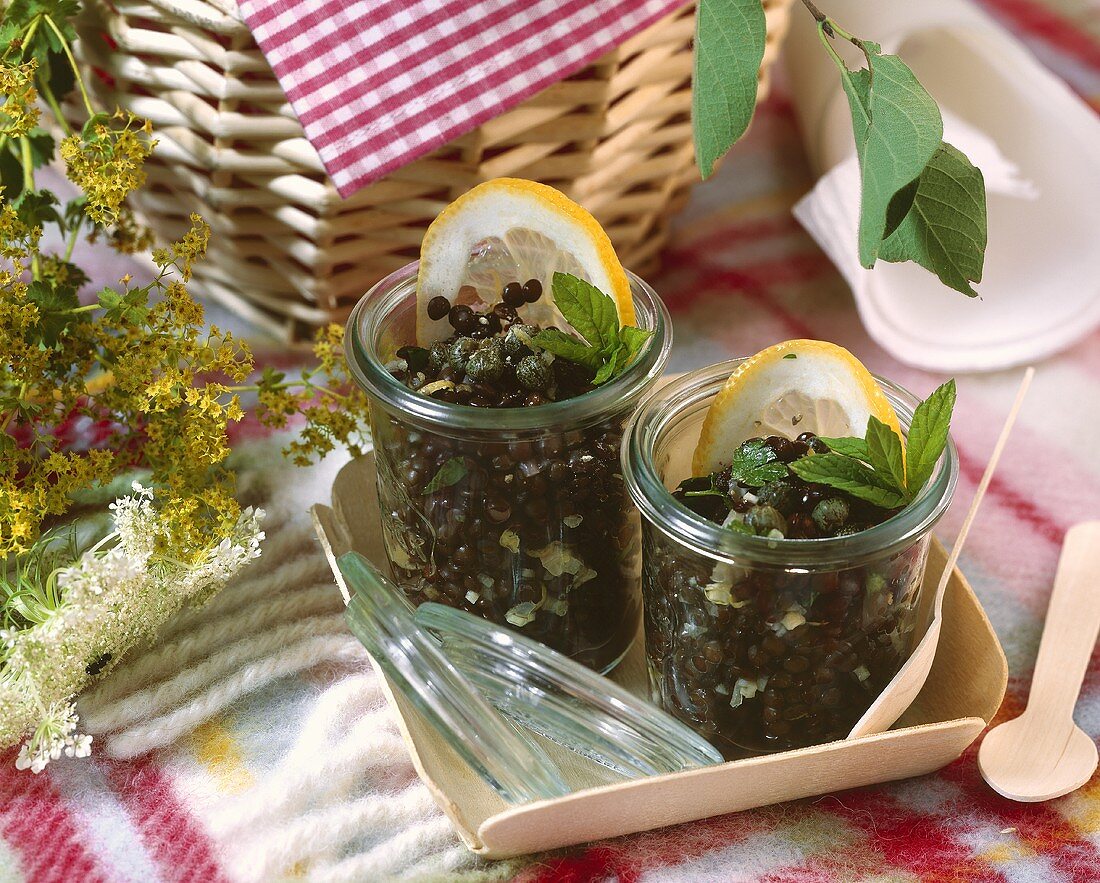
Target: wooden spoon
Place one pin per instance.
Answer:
(1043, 754)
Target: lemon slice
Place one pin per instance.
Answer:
(511, 230)
(790, 388)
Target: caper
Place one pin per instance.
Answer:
(485, 365)
(779, 494)
(764, 519)
(533, 373)
(460, 352)
(830, 514)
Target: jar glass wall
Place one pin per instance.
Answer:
(536, 531)
(767, 644)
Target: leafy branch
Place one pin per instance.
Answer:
(921, 199)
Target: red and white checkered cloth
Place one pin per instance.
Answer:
(378, 83)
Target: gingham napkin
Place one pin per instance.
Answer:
(378, 83)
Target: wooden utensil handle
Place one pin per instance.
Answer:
(1073, 621)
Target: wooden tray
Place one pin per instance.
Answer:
(962, 693)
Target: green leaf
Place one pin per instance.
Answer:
(610, 367)
(897, 128)
(763, 474)
(11, 175)
(944, 228)
(634, 341)
(849, 447)
(740, 527)
(729, 46)
(591, 312)
(88, 134)
(846, 474)
(755, 464)
(558, 342)
(885, 454)
(128, 308)
(54, 305)
(928, 436)
(451, 472)
(37, 208)
(416, 358)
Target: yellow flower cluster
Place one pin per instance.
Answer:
(335, 408)
(106, 161)
(18, 113)
(147, 371)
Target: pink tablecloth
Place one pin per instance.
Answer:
(278, 761)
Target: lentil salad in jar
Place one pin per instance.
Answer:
(497, 425)
(778, 603)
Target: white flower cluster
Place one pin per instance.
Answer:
(55, 735)
(116, 596)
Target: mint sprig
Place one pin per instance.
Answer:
(604, 346)
(879, 468)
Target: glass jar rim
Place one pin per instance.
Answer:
(658, 410)
(621, 393)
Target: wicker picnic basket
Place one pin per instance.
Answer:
(286, 250)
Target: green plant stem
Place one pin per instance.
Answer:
(46, 92)
(86, 308)
(73, 234)
(828, 29)
(11, 414)
(28, 186)
(72, 62)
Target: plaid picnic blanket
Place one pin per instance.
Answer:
(251, 744)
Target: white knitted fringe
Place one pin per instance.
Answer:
(328, 830)
(167, 728)
(392, 858)
(173, 656)
(270, 647)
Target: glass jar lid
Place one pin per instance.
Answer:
(381, 617)
(563, 700)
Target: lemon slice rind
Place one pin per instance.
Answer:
(518, 228)
(788, 389)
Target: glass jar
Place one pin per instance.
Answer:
(517, 514)
(768, 644)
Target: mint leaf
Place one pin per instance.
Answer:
(849, 447)
(755, 464)
(591, 312)
(763, 474)
(885, 454)
(928, 436)
(729, 46)
(558, 342)
(634, 341)
(897, 128)
(610, 367)
(944, 228)
(846, 474)
(451, 472)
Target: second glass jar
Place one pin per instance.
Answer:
(768, 644)
(517, 514)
